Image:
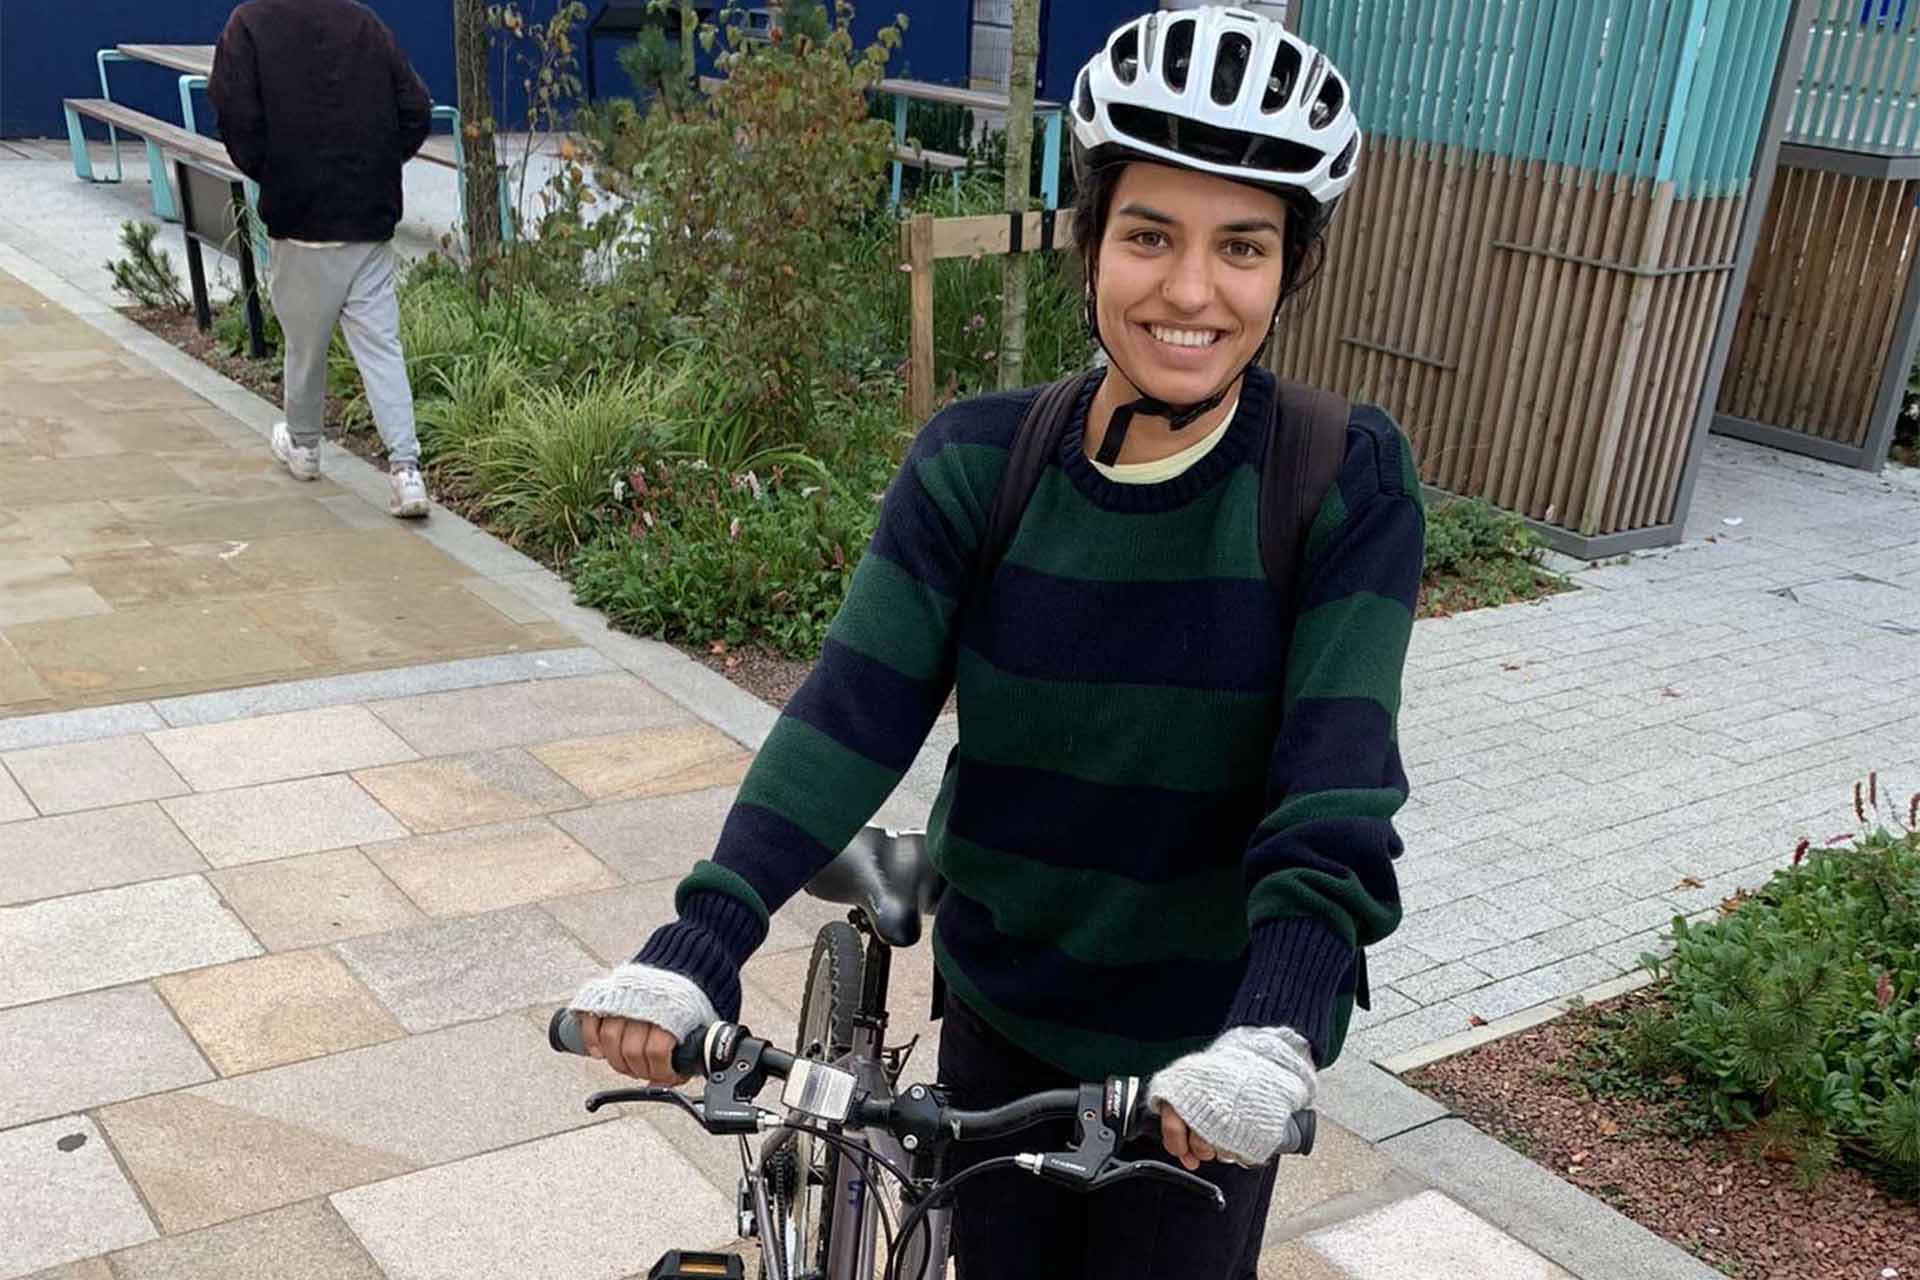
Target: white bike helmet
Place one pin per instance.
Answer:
(1223, 91)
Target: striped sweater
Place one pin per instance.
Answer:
(1164, 817)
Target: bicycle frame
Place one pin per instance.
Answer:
(855, 1248)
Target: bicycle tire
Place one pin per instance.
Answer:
(827, 1009)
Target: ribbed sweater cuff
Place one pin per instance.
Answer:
(713, 937)
(1294, 968)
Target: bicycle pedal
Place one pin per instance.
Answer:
(678, 1264)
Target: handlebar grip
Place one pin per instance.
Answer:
(563, 1036)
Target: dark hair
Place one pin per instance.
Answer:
(1303, 254)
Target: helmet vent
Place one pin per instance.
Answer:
(1286, 74)
(1177, 58)
(1083, 98)
(1126, 58)
(1345, 162)
(1333, 96)
(1211, 143)
(1230, 67)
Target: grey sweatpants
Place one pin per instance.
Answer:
(353, 284)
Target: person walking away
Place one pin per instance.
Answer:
(319, 106)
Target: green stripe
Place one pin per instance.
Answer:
(961, 479)
(711, 877)
(1327, 524)
(1340, 901)
(1340, 802)
(1098, 917)
(1118, 734)
(893, 617)
(1354, 647)
(821, 787)
(1087, 1055)
(1140, 546)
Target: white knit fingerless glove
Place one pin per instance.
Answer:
(1239, 1092)
(643, 993)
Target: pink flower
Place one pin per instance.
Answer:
(1800, 850)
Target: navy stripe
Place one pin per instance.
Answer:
(915, 534)
(1332, 744)
(989, 419)
(1380, 551)
(1149, 1002)
(886, 723)
(774, 855)
(1211, 633)
(1148, 834)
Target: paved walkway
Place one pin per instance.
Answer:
(274, 960)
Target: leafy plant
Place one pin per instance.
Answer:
(147, 274)
(230, 327)
(1798, 1010)
(708, 557)
(1479, 555)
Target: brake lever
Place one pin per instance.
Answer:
(1121, 1172)
(652, 1093)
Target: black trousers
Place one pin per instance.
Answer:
(1012, 1226)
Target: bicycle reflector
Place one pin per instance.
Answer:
(678, 1265)
(823, 1092)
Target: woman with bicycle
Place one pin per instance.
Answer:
(1166, 828)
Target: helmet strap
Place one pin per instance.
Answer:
(1179, 417)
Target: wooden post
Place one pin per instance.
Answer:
(1020, 93)
(470, 45)
(918, 235)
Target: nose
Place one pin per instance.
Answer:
(1188, 284)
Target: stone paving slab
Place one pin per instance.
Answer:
(99, 849)
(112, 936)
(486, 719)
(560, 1209)
(236, 1147)
(1425, 1236)
(281, 819)
(448, 792)
(650, 839)
(14, 804)
(648, 763)
(297, 744)
(92, 775)
(58, 1060)
(322, 897)
(459, 873)
(434, 975)
(62, 1197)
(276, 1009)
(300, 1242)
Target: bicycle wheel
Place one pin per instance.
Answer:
(800, 1181)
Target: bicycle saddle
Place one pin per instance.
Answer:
(888, 876)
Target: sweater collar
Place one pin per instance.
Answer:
(1242, 435)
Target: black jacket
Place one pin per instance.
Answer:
(319, 106)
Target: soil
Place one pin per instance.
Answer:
(1725, 1204)
(766, 675)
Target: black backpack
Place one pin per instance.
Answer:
(1304, 455)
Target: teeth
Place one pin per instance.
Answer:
(1185, 337)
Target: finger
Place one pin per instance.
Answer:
(660, 1046)
(1174, 1135)
(590, 1034)
(613, 1044)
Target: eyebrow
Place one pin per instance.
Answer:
(1243, 227)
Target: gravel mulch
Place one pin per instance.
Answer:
(1732, 1208)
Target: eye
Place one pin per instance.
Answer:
(1149, 239)
(1246, 249)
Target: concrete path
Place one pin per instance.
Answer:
(274, 959)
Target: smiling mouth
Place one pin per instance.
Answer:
(1190, 339)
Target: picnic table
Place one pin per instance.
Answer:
(904, 91)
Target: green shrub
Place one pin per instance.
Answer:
(708, 556)
(147, 274)
(230, 328)
(1477, 556)
(1799, 1010)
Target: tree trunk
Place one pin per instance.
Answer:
(689, 27)
(1020, 85)
(471, 45)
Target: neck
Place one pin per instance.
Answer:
(1149, 439)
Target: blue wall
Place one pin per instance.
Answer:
(47, 47)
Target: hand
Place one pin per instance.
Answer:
(1182, 1143)
(633, 1048)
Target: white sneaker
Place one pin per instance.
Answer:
(302, 464)
(409, 493)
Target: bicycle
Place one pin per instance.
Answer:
(810, 1195)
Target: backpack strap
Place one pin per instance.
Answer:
(1303, 456)
(1036, 440)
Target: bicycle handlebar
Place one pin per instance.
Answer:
(691, 1057)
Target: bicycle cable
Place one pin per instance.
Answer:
(944, 1191)
(865, 1154)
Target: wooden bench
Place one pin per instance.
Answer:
(162, 138)
(932, 161)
